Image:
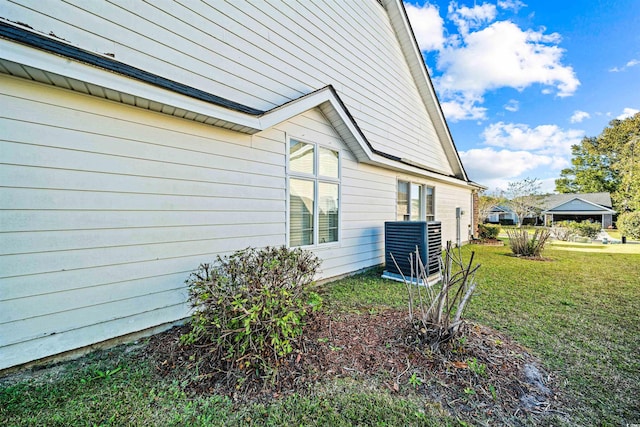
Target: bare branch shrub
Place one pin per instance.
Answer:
(530, 246)
(562, 233)
(435, 312)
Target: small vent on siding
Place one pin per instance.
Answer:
(401, 238)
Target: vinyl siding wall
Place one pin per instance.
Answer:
(261, 54)
(106, 208)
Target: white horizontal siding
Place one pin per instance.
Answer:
(105, 209)
(64, 219)
(448, 198)
(29, 350)
(68, 310)
(261, 54)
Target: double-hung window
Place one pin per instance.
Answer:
(314, 192)
(415, 202)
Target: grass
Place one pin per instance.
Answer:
(578, 312)
(135, 396)
(615, 234)
(630, 248)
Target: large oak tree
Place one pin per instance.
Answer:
(609, 162)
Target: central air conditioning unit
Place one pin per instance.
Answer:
(402, 238)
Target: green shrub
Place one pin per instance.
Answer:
(250, 306)
(629, 224)
(586, 228)
(506, 222)
(523, 245)
(488, 231)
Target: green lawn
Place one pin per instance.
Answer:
(579, 312)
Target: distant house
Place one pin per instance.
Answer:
(506, 216)
(594, 207)
(140, 139)
(502, 215)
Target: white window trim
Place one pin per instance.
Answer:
(423, 194)
(435, 204)
(316, 178)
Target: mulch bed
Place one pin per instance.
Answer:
(482, 377)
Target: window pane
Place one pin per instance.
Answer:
(403, 201)
(327, 212)
(416, 201)
(328, 163)
(300, 212)
(430, 203)
(301, 157)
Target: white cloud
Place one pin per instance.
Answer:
(548, 140)
(548, 185)
(484, 164)
(512, 106)
(466, 18)
(627, 112)
(578, 116)
(503, 55)
(629, 64)
(427, 25)
(486, 55)
(460, 108)
(514, 5)
(514, 151)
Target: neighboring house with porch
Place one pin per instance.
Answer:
(594, 207)
(140, 139)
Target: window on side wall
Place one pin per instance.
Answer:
(314, 194)
(415, 202)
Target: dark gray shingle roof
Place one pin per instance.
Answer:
(553, 200)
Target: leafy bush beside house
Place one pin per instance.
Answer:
(488, 231)
(629, 224)
(250, 306)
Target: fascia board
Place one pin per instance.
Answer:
(49, 62)
(325, 98)
(608, 211)
(401, 167)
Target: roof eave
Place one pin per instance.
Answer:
(62, 59)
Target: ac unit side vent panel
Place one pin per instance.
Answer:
(402, 238)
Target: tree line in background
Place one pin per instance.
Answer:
(609, 163)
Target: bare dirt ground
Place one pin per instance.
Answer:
(483, 377)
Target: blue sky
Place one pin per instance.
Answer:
(521, 81)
